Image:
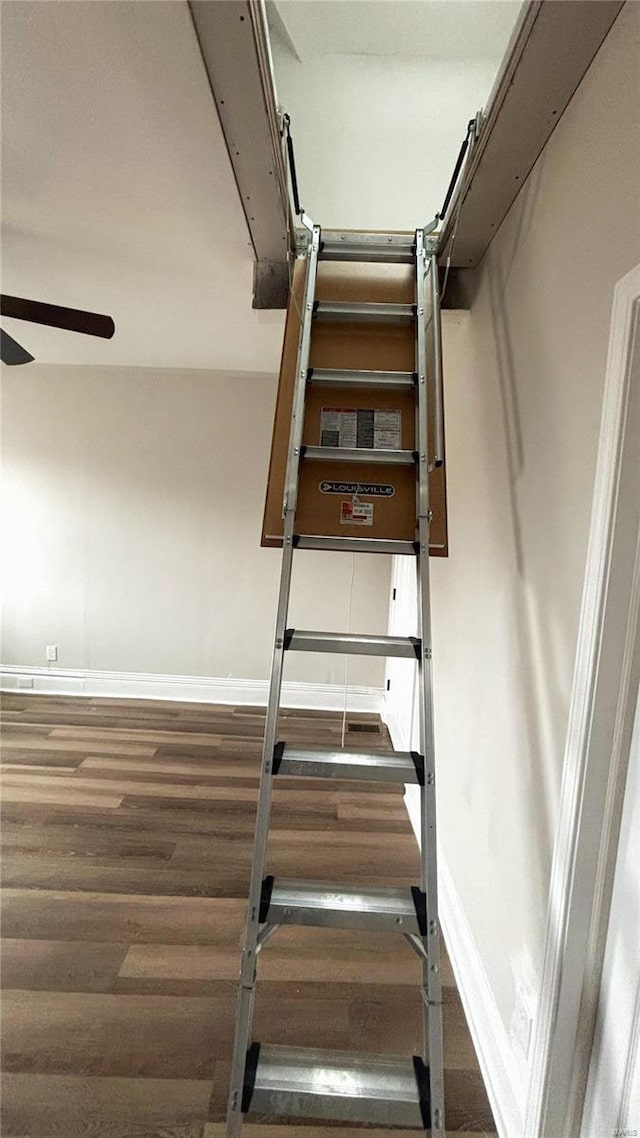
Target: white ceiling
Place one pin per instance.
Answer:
(380, 93)
(425, 29)
(117, 191)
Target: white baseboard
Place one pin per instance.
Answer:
(398, 732)
(199, 689)
(501, 1071)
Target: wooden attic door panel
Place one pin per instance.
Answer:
(357, 346)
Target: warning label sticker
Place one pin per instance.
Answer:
(360, 427)
(355, 513)
(371, 489)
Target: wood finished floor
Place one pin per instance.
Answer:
(126, 835)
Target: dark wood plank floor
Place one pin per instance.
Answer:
(127, 833)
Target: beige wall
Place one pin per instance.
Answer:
(132, 513)
(524, 382)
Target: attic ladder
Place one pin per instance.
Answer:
(311, 1083)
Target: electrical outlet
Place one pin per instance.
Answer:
(52, 653)
(25, 682)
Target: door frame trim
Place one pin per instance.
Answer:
(602, 706)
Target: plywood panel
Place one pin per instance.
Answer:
(359, 347)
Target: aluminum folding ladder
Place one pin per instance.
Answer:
(310, 1083)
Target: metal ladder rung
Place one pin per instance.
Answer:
(337, 1085)
(372, 766)
(393, 250)
(352, 644)
(356, 544)
(353, 310)
(323, 904)
(343, 377)
(360, 454)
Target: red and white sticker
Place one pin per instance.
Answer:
(356, 513)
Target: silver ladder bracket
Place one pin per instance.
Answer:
(265, 934)
(417, 946)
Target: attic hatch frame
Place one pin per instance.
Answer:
(550, 50)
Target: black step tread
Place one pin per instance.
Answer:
(327, 762)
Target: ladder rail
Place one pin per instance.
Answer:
(302, 369)
(431, 980)
(436, 332)
(246, 988)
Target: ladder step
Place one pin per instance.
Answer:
(389, 249)
(337, 1085)
(373, 766)
(373, 312)
(322, 904)
(356, 544)
(296, 640)
(360, 454)
(382, 380)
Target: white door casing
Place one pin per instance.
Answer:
(612, 1101)
(597, 747)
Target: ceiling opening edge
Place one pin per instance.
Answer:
(550, 51)
(234, 44)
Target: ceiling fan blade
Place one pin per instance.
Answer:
(73, 319)
(11, 352)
